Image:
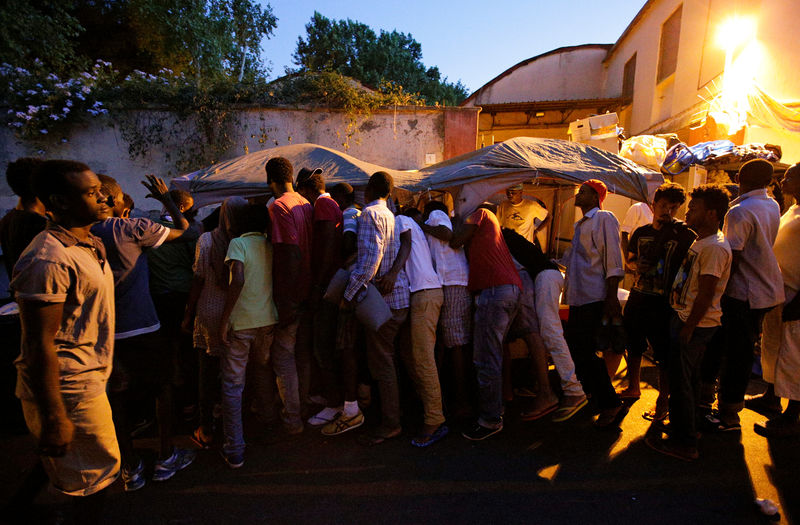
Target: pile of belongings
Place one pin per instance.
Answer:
(680, 156)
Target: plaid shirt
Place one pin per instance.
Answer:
(377, 249)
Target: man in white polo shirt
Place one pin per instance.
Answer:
(755, 286)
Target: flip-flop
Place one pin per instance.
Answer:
(655, 415)
(564, 413)
(426, 440)
(537, 414)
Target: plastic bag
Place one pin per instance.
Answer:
(647, 150)
(678, 159)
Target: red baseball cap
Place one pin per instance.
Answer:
(600, 188)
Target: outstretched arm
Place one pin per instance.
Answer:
(159, 191)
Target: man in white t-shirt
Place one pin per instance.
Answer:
(425, 303)
(754, 288)
(695, 298)
(525, 215)
(639, 214)
(455, 319)
(780, 347)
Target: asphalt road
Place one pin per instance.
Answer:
(532, 472)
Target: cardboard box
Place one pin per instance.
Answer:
(604, 126)
(579, 130)
(596, 127)
(610, 144)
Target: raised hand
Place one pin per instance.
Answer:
(157, 188)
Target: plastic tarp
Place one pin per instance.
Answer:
(471, 178)
(474, 177)
(245, 176)
(768, 112)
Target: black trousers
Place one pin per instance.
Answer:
(582, 327)
(730, 353)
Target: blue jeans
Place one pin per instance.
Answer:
(495, 308)
(255, 342)
(684, 380)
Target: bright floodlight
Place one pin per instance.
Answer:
(735, 31)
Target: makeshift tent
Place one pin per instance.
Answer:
(473, 177)
(245, 175)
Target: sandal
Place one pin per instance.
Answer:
(426, 440)
(655, 415)
(201, 439)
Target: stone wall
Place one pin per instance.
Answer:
(402, 138)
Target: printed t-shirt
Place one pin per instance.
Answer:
(255, 307)
(419, 266)
(490, 261)
(658, 253)
(58, 268)
(707, 256)
(450, 264)
(523, 218)
(125, 241)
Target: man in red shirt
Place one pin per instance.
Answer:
(494, 278)
(291, 217)
(326, 249)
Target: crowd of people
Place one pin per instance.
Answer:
(296, 306)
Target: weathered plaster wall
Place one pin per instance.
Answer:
(398, 139)
(569, 75)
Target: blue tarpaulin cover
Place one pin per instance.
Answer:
(475, 176)
(471, 178)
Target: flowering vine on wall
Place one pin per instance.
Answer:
(188, 120)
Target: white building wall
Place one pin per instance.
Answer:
(701, 59)
(570, 75)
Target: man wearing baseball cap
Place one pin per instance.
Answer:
(525, 215)
(594, 270)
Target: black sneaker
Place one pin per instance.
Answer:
(233, 460)
(480, 432)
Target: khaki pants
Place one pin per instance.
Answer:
(424, 314)
(380, 359)
(92, 461)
